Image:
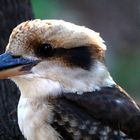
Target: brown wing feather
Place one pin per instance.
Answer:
(74, 123)
(95, 115)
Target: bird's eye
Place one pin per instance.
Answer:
(45, 50)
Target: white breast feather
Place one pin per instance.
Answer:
(34, 117)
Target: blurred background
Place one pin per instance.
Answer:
(118, 23)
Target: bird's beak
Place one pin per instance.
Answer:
(13, 66)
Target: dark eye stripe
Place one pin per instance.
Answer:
(78, 56)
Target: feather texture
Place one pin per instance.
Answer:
(106, 114)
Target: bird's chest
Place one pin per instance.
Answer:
(32, 116)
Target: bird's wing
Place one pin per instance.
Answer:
(95, 115)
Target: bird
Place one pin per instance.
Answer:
(66, 90)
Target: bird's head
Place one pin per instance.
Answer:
(53, 56)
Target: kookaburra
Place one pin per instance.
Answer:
(66, 89)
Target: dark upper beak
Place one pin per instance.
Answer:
(13, 66)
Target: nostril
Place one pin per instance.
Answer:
(16, 56)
